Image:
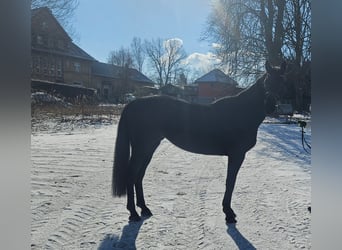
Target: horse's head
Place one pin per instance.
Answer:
(274, 85)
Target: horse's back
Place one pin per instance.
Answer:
(163, 111)
(165, 116)
(149, 115)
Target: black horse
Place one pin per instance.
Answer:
(228, 126)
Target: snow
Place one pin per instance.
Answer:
(72, 206)
(45, 98)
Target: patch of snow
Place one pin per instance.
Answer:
(72, 206)
(45, 98)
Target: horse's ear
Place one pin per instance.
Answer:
(268, 67)
(283, 67)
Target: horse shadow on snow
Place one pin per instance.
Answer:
(126, 241)
(241, 242)
(130, 233)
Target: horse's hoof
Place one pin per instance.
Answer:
(229, 212)
(134, 218)
(146, 213)
(230, 220)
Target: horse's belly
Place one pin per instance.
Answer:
(199, 145)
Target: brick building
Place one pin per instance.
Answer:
(214, 85)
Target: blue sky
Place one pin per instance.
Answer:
(105, 25)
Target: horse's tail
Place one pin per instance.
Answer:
(121, 158)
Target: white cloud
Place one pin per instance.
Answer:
(216, 45)
(199, 64)
(174, 42)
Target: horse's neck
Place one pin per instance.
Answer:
(251, 98)
(255, 92)
(252, 101)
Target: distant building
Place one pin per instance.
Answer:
(112, 82)
(204, 90)
(214, 85)
(59, 65)
(172, 90)
(54, 57)
(190, 92)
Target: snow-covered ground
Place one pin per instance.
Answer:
(72, 206)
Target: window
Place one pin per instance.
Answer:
(36, 64)
(44, 66)
(106, 93)
(77, 66)
(59, 67)
(52, 68)
(39, 39)
(44, 25)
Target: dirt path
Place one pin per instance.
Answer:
(72, 207)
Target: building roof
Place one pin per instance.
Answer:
(113, 71)
(76, 51)
(216, 76)
(104, 69)
(46, 10)
(72, 49)
(136, 75)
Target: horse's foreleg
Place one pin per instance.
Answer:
(234, 164)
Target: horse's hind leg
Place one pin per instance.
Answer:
(140, 158)
(132, 177)
(134, 216)
(145, 211)
(234, 164)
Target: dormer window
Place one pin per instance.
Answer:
(44, 25)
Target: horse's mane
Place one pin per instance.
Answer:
(257, 86)
(258, 83)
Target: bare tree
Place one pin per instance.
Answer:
(298, 31)
(63, 10)
(271, 17)
(250, 31)
(234, 27)
(246, 32)
(154, 51)
(297, 48)
(182, 78)
(138, 53)
(174, 54)
(121, 57)
(165, 57)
